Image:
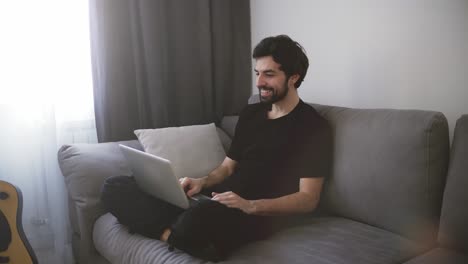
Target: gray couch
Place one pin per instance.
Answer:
(382, 203)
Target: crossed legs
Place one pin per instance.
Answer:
(207, 225)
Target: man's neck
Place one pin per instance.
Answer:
(284, 106)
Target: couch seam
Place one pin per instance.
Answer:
(434, 122)
(427, 159)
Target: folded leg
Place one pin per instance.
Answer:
(140, 212)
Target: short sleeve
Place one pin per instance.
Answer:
(235, 150)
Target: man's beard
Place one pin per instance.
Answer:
(275, 96)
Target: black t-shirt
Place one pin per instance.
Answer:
(273, 154)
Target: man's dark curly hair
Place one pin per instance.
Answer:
(286, 52)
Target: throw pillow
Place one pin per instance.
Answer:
(194, 151)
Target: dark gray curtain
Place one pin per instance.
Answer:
(159, 63)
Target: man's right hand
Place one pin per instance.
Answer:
(192, 186)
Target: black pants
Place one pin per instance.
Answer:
(203, 230)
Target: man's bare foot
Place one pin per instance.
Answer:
(165, 235)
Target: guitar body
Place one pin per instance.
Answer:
(14, 246)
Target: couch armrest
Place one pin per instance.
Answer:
(453, 232)
(85, 167)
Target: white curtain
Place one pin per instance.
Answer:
(45, 101)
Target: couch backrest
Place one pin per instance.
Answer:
(453, 230)
(389, 168)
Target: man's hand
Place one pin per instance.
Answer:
(233, 200)
(192, 186)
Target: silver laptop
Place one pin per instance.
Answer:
(155, 176)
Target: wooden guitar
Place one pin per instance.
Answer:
(14, 246)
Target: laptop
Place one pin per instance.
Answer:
(155, 176)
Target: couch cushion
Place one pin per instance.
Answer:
(228, 124)
(453, 231)
(440, 256)
(225, 139)
(389, 168)
(329, 240)
(323, 240)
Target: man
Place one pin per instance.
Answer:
(275, 166)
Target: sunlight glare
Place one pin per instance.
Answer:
(45, 57)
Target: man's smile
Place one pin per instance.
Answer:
(265, 92)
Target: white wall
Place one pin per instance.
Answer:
(403, 54)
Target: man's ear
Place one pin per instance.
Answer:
(293, 79)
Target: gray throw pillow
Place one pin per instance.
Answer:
(194, 151)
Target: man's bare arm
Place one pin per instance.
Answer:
(194, 186)
(219, 174)
(303, 201)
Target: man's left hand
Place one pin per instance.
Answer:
(233, 200)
